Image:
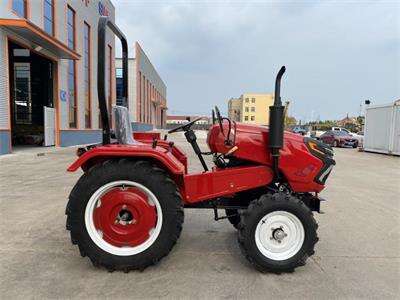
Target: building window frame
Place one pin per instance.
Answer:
(140, 97)
(73, 25)
(25, 7)
(51, 4)
(87, 64)
(143, 100)
(72, 106)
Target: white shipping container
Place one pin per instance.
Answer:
(382, 128)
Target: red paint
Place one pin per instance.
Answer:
(119, 233)
(297, 164)
(223, 182)
(142, 150)
(146, 135)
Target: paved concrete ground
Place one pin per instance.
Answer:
(358, 255)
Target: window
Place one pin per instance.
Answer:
(86, 71)
(71, 69)
(246, 109)
(72, 94)
(139, 105)
(253, 100)
(70, 28)
(19, 7)
(246, 118)
(48, 16)
(246, 100)
(143, 100)
(22, 93)
(252, 118)
(253, 109)
(119, 85)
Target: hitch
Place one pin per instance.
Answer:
(217, 218)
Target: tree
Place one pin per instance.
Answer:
(290, 121)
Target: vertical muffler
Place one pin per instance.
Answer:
(276, 120)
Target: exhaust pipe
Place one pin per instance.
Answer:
(276, 117)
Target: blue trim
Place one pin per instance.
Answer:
(136, 126)
(5, 142)
(79, 137)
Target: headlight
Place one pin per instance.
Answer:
(325, 154)
(318, 148)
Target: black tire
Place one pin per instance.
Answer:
(144, 173)
(233, 217)
(256, 211)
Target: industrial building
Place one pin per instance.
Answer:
(48, 72)
(147, 92)
(251, 108)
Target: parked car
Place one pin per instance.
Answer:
(299, 130)
(341, 129)
(359, 135)
(338, 138)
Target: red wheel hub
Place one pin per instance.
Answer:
(125, 217)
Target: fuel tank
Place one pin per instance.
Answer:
(251, 140)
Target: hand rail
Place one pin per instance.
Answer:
(104, 23)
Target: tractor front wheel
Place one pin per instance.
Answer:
(125, 215)
(277, 233)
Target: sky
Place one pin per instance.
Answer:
(337, 53)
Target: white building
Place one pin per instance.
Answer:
(147, 92)
(48, 58)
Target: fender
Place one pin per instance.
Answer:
(159, 154)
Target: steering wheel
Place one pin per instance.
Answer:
(184, 127)
(219, 119)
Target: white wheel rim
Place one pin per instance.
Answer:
(96, 236)
(279, 235)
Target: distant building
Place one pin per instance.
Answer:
(235, 109)
(251, 108)
(347, 122)
(177, 120)
(147, 92)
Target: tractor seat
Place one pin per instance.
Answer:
(123, 127)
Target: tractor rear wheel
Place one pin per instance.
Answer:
(125, 215)
(277, 233)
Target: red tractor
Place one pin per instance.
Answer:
(127, 209)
